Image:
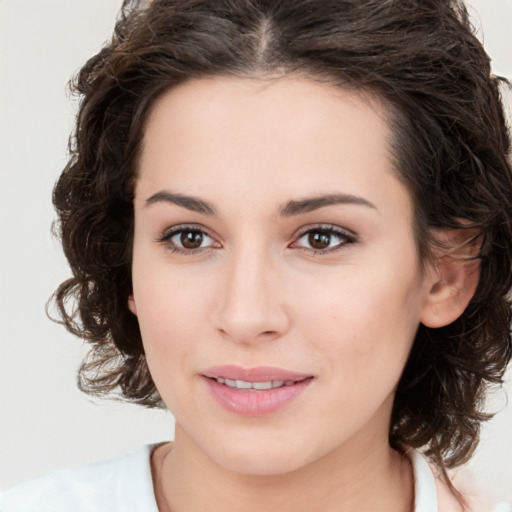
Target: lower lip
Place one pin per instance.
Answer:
(255, 402)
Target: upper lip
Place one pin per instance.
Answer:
(256, 374)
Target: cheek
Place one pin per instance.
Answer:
(365, 320)
(169, 303)
(167, 328)
(167, 296)
(169, 309)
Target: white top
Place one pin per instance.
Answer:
(125, 485)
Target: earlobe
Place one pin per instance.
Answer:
(131, 305)
(454, 278)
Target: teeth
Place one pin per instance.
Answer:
(262, 385)
(243, 384)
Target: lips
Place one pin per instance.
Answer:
(256, 391)
(257, 374)
(257, 386)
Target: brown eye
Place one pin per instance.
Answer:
(319, 240)
(191, 239)
(325, 239)
(188, 240)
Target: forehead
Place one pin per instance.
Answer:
(279, 113)
(290, 136)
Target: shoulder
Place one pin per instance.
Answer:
(432, 494)
(120, 484)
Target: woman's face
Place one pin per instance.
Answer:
(274, 245)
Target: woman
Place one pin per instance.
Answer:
(289, 223)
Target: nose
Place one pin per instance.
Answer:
(251, 304)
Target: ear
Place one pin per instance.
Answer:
(131, 305)
(453, 277)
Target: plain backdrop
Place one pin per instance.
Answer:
(45, 422)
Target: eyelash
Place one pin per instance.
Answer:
(346, 237)
(166, 239)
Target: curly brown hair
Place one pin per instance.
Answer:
(450, 146)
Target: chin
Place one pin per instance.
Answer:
(260, 464)
(259, 457)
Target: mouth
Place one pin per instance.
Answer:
(257, 391)
(256, 386)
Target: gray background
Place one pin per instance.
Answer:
(45, 423)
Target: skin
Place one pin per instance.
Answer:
(256, 293)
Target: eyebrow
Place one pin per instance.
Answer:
(291, 208)
(314, 203)
(190, 203)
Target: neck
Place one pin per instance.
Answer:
(359, 478)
